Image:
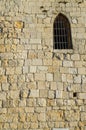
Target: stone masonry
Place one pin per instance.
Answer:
(41, 88)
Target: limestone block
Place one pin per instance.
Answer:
(10, 70)
(5, 86)
(37, 62)
(22, 103)
(82, 95)
(64, 70)
(60, 86)
(42, 69)
(34, 93)
(31, 102)
(33, 69)
(72, 115)
(82, 70)
(53, 86)
(32, 55)
(83, 87)
(25, 69)
(84, 79)
(19, 24)
(41, 85)
(34, 117)
(64, 78)
(68, 63)
(83, 116)
(22, 117)
(43, 93)
(47, 61)
(35, 41)
(3, 79)
(18, 70)
(39, 77)
(75, 57)
(2, 71)
(41, 102)
(73, 70)
(58, 94)
(34, 125)
(51, 94)
(42, 117)
(49, 77)
(77, 79)
(69, 78)
(2, 48)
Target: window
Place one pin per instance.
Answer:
(62, 33)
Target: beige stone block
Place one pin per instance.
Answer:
(72, 115)
(13, 48)
(2, 71)
(41, 102)
(53, 86)
(18, 70)
(29, 109)
(5, 86)
(25, 69)
(33, 69)
(34, 125)
(19, 24)
(64, 78)
(32, 55)
(77, 79)
(70, 78)
(22, 117)
(41, 85)
(49, 77)
(37, 62)
(51, 102)
(75, 57)
(34, 117)
(47, 61)
(51, 94)
(10, 70)
(43, 93)
(59, 86)
(68, 63)
(35, 41)
(84, 79)
(41, 117)
(29, 77)
(82, 95)
(13, 125)
(83, 116)
(82, 70)
(64, 70)
(42, 69)
(39, 77)
(22, 103)
(83, 87)
(3, 79)
(34, 93)
(2, 48)
(73, 70)
(58, 94)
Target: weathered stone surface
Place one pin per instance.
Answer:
(42, 88)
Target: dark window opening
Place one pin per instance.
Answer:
(62, 33)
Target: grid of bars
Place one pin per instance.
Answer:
(62, 38)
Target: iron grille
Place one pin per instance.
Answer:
(62, 34)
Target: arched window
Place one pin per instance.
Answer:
(62, 33)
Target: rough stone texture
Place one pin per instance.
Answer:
(41, 88)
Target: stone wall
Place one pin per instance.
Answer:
(41, 88)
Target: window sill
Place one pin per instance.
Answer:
(70, 51)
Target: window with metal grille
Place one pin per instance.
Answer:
(62, 33)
